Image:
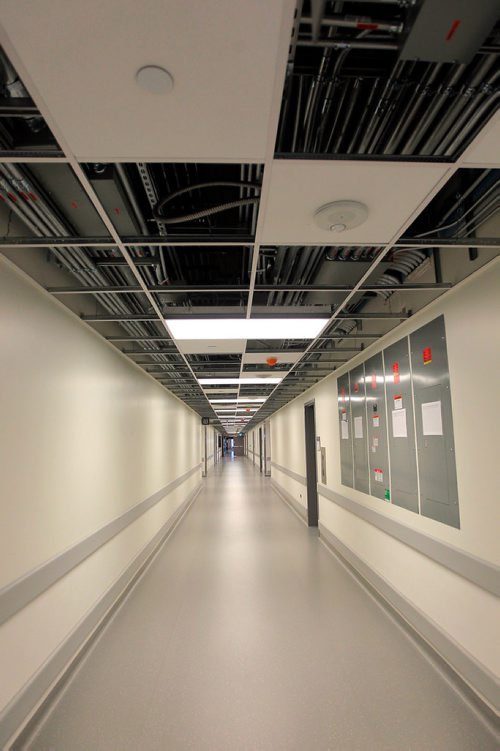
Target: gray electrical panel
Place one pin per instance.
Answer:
(404, 489)
(377, 427)
(359, 440)
(345, 431)
(450, 31)
(434, 424)
(396, 426)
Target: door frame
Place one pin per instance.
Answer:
(204, 451)
(267, 449)
(311, 464)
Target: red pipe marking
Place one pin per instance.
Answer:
(454, 26)
(117, 211)
(368, 26)
(33, 196)
(23, 195)
(3, 199)
(12, 197)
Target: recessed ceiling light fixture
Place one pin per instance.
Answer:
(239, 400)
(340, 216)
(235, 411)
(154, 79)
(245, 328)
(244, 381)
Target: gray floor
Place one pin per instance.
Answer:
(246, 633)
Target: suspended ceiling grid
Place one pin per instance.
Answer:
(243, 134)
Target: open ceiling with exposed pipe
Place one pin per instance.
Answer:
(193, 196)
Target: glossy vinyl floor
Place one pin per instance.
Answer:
(247, 634)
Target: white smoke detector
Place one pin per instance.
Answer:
(154, 79)
(340, 216)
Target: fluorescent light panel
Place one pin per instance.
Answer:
(243, 381)
(239, 400)
(245, 328)
(212, 392)
(224, 411)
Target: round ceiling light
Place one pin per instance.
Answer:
(340, 216)
(154, 79)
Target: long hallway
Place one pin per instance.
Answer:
(245, 633)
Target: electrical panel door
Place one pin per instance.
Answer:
(345, 431)
(434, 424)
(404, 487)
(449, 31)
(358, 412)
(377, 427)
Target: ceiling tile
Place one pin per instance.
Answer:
(390, 190)
(222, 55)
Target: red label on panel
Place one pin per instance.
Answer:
(343, 394)
(427, 355)
(374, 381)
(453, 28)
(356, 387)
(395, 372)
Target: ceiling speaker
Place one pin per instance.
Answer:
(340, 216)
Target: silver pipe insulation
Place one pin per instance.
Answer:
(16, 89)
(421, 91)
(452, 113)
(440, 99)
(361, 123)
(357, 23)
(388, 108)
(470, 118)
(41, 221)
(380, 105)
(353, 44)
(431, 113)
(343, 93)
(312, 99)
(328, 98)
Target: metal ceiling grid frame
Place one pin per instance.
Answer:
(143, 270)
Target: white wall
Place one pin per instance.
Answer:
(467, 613)
(213, 452)
(84, 436)
(254, 446)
